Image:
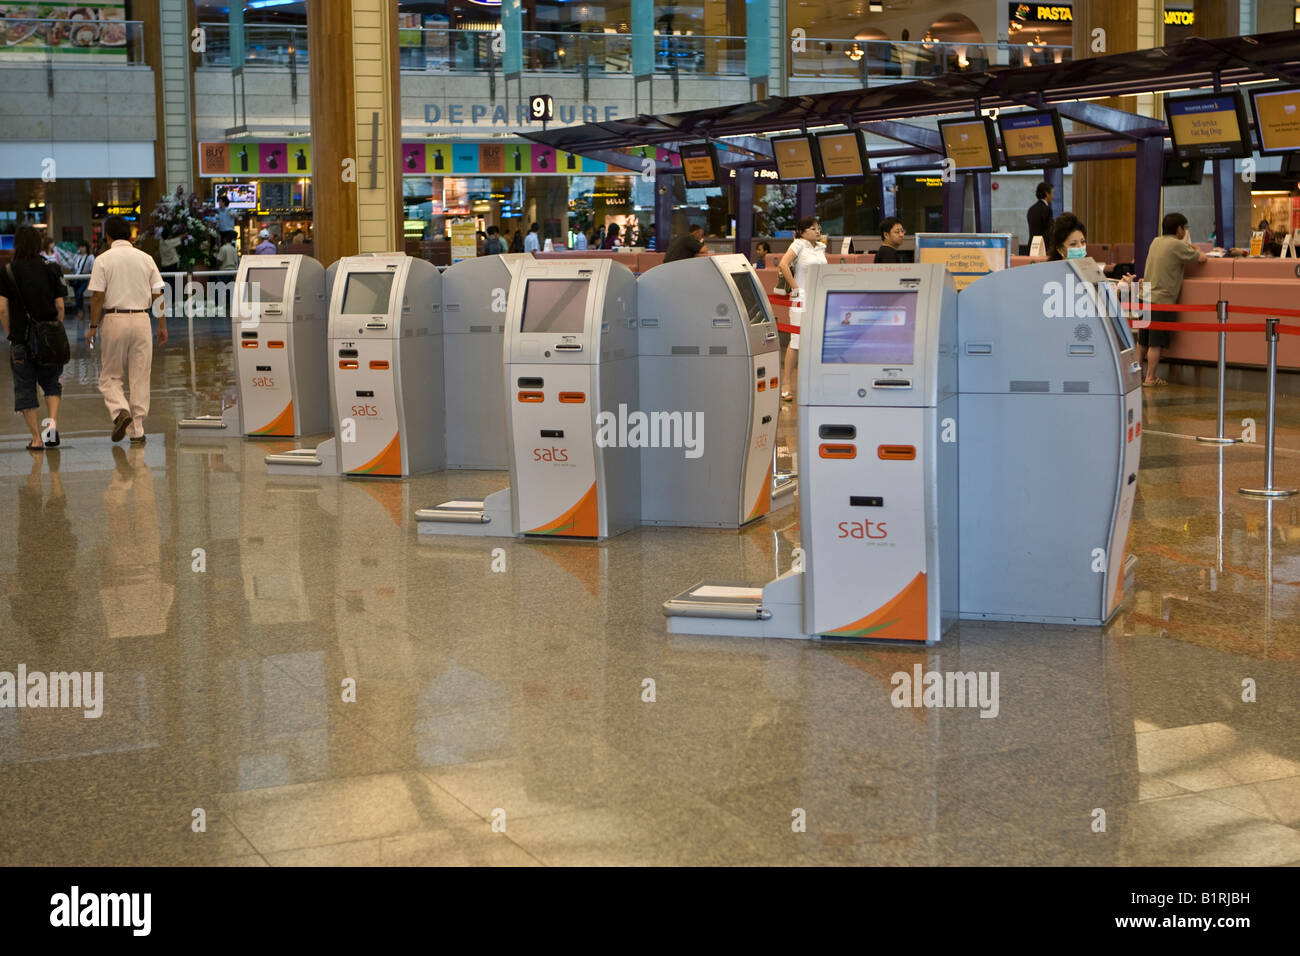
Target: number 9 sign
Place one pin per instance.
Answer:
(541, 107)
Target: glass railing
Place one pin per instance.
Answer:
(65, 41)
(885, 60)
(471, 51)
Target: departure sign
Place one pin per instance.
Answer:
(700, 164)
(796, 158)
(1033, 140)
(970, 144)
(843, 155)
(1277, 118)
(1208, 126)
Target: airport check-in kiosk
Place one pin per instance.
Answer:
(878, 500)
(1051, 425)
(475, 293)
(708, 345)
(570, 363)
(278, 327)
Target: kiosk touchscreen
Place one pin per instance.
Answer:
(1051, 418)
(878, 499)
(571, 380)
(278, 328)
(475, 296)
(386, 362)
(710, 393)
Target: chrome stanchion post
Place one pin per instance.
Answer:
(1221, 307)
(1268, 491)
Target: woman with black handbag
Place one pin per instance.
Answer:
(31, 313)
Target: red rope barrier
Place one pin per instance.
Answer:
(1201, 326)
(1261, 310)
(1173, 307)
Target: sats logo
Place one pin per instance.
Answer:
(365, 411)
(550, 454)
(863, 529)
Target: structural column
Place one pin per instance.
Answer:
(356, 123)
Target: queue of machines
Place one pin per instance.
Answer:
(385, 351)
(278, 315)
(1021, 519)
(632, 401)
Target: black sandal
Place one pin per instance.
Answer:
(31, 447)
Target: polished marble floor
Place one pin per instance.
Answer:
(499, 715)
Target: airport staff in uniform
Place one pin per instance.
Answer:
(122, 286)
(892, 235)
(1040, 216)
(1167, 257)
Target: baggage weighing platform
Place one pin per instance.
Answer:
(878, 388)
(278, 328)
(385, 363)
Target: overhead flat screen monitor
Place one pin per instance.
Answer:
(241, 195)
(1277, 118)
(1182, 172)
(555, 305)
(1210, 126)
(267, 283)
(751, 295)
(700, 165)
(1033, 140)
(970, 143)
(869, 328)
(843, 154)
(796, 158)
(367, 293)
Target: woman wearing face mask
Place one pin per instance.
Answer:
(1069, 238)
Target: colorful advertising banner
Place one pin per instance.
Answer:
(67, 32)
(424, 158)
(253, 158)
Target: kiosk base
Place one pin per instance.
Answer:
(315, 462)
(225, 425)
(485, 518)
(715, 607)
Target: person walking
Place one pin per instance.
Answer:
(122, 287)
(531, 241)
(31, 292)
(495, 245)
(81, 266)
(611, 238)
(517, 242)
(806, 250)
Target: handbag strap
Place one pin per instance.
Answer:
(13, 280)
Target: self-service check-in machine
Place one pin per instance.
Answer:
(386, 363)
(1051, 426)
(879, 503)
(570, 365)
(709, 383)
(278, 327)
(475, 294)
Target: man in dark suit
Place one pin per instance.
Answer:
(1040, 216)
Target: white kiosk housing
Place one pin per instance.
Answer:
(278, 329)
(878, 506)
(571, 369)
(710, 372)
(1051, 418)
(475, 295)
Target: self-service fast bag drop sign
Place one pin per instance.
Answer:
(878, 504)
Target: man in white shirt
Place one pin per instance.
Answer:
(531, 241)
(227, 257)
(123, 283)
(580, 240)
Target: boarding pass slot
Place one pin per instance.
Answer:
(263, 368)
(866, 501)
(365, 393)
(979, 348)
(568, 347)
(248, 335)
(526, 382)
(1081, 349)
(838, 432)
(903, 383)
(552, 432)
(347, 353)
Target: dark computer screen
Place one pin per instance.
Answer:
(264, 285)
(367, 293)
(752, 295)
(554, 305)
(869, 328)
